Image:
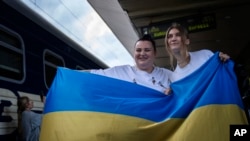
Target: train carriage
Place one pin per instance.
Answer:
(31, 49)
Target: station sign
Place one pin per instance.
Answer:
(194, 23)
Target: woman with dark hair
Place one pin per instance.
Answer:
(28, 121)
(144, 72)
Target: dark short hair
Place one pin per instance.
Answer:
(147, 37)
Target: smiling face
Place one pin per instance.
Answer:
(176, 41)
(144, 55)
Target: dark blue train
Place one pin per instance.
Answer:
(30, 51)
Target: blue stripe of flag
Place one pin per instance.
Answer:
(213, 83)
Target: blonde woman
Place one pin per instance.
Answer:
(177, 42)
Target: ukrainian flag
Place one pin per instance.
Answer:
(87, 107)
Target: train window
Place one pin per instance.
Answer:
(11, 56)
(10, 39)
(51, 62)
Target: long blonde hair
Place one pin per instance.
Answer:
(184, 35)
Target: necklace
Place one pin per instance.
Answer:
(184, 62)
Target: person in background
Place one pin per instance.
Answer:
(177, 42)
(28, 121)
(144, 72)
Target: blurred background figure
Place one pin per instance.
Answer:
(28, 121)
